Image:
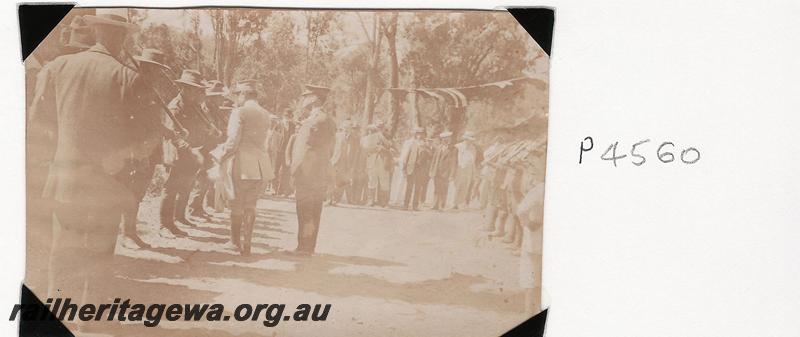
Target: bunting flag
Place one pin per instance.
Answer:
(459, 96)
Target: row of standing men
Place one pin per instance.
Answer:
(99, 124)
(364, 167)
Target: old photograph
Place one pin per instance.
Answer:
(287, 172)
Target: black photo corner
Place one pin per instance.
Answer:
(33, 323)
(37, 20)
(538, 22)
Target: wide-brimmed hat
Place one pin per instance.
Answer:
(468, 135)
(216, 88)
(245, 86)
(315, 90)
(418, 130)
(113, 20)
(191, 77)
(445, 134)
(152, 56)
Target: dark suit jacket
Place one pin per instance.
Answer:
(416, 157)
(445, 160)
(188, 113)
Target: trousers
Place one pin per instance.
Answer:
(82, 254)
(309, 196)
(440, 189)
(178, 187)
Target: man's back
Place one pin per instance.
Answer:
(255, 126)
(91, 92)
(313, 147)
(248, 128)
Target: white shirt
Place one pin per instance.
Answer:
(467, 155)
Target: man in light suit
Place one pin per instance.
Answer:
(310, 166)
(83, 104)
(252, 168)
(378, 163)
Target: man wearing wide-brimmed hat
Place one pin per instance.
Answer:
(84, 101)
(108, 28)
(187, 108)
(311, 166)
(148, 132)
(217, 96)
(251, 167)
(415, 162)
(443, 167)
(216, 93)
(152, 57)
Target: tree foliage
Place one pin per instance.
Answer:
(235, 30)
(470, 48)
(358, 55)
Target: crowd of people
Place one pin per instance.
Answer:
(100, 123)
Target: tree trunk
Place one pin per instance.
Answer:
(369, 101)
(390, 31)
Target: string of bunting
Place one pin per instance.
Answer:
(459, 95)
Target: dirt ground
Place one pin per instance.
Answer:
(385, 272)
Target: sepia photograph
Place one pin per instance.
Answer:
(222, 171)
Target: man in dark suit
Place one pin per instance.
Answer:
(357, 192)
(311, 167)
(186, 107)
(84, 101)
(149, 135)
(415, 161)
(251, 167)
(443, 169)
(284, 184)
(343, 160)
(215, 97)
